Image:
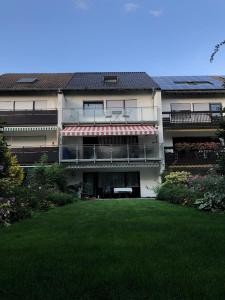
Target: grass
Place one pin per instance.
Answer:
(137, 249)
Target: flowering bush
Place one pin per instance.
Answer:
(12, 210)
(178, 177)
(210, 190)
(198, 146)
(5, 210)
(211, 201)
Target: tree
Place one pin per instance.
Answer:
(10, 170)
(216, 50)
(220, 133)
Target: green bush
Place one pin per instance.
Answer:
(212, 201)
(178, 194)
(211, 192)
(60, 199)
(47, 177)
(13, 210)
(178, 177)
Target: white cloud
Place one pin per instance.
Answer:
(130, 7)
(156, 13)
(81, 4)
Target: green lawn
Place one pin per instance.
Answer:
(137, 249)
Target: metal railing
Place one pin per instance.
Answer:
(95, 153)
(190, 157)
(191, 118)
(24, 117)
(112, 115)
(31, 155)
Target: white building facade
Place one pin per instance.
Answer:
(106, 127)
(114, 132)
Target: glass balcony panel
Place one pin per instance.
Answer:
(111, 115)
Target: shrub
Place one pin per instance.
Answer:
(211, 201)
(6, 187)
(210, 183)
(178, 194)
(13, 210)
(178, 177)
(60, 199)
(211, 192)
(5, 210)
(48, 178)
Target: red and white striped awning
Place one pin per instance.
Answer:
(109, 130)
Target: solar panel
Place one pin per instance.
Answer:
(190, 82)
(26, 80)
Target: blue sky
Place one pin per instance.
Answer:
(161, 37)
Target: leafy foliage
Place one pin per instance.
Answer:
(12, 210)
(178, 177)
(210, 191)
(60, 199)
(175, 193)
(47, 177)
(11, 173)
(216, 50)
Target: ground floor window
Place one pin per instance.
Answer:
(102, 184)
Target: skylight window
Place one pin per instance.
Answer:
(26, 80)
(110, 79)
(193, 82)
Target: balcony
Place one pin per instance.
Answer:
(27, 117)
(31, 155)
(174, 157)
(110, 116)
(110, 153)
(191, 119)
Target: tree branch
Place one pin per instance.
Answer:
(216, 49)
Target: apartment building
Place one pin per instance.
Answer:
(106, 127)
(29, 112)
(191, 111)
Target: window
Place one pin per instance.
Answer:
(215, 107)
(26, 80)
(193, 82)
(125, 109)
(216, 110)
(93, 108)
(6, 105)
(110, 79)
(24, 105)
(201, 107)
(93, 105)
(121, 104)
(40, 105)
(180, 107)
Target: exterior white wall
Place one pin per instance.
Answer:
(145, 103)
(149, 179)
(76, 101)
(25, 102)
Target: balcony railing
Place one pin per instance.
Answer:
(25, 117)
(31, 155)
(109, 153)
(190, 157)
(191, 119)
(113, 115)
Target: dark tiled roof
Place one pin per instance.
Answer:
(45, 81)
(181, 83)
(126, 81)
